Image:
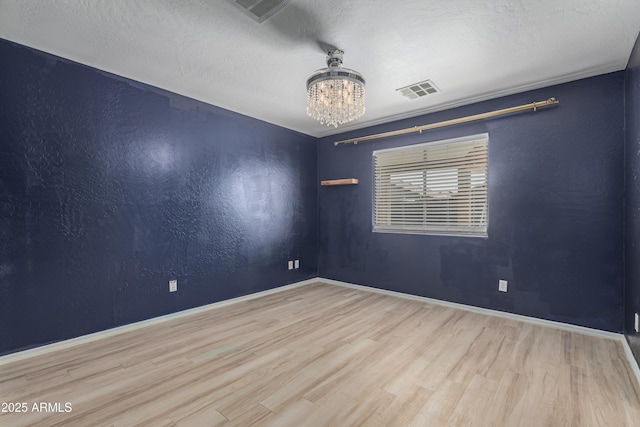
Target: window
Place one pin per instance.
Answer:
(433, 188)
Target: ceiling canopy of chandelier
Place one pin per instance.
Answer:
(335, 95)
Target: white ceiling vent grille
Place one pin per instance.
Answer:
(260, 10)
(418, 90)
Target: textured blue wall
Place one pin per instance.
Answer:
(555, 211)
(632, 198)
(109, 188)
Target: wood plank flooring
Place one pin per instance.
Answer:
(328, 355)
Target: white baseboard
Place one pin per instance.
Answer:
(542, 322)
(21, 355)
(533, 320)
(25, 354)
(632, 360)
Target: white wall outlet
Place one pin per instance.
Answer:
(296, 264)
(173, 285)
(502, 285)
(635, 323)
(290, 265)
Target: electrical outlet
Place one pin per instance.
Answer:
(296, 264)
(173, 285)
(635, 323)
(290, 265)
(502, 285)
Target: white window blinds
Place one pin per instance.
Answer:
(435, 188)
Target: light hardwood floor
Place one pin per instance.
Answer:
(329, 355)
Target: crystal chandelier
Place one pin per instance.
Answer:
(335, 95)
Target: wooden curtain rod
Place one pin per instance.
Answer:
(533, 106)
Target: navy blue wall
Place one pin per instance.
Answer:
(109, 188)
(555, 211)
(632, 198)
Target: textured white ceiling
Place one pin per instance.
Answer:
(209, 50)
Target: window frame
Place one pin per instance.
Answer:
(422, 228)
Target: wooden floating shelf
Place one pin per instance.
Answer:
(347, 181)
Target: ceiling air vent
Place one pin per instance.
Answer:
(418, 90)
(260, 9)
